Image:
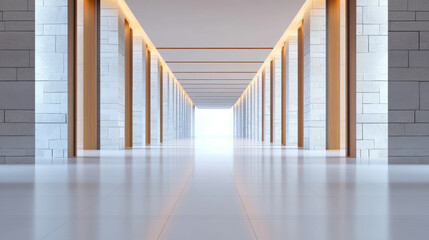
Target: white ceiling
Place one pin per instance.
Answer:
(214, 24)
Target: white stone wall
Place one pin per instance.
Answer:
(260, 117)
(277, 100)
(315, 76)
(51, 78)
(256, 116)
(408, 81)
(371, 85)
(175, 136)
(248, 116)
(254, 111)
(154, 101)
(165, 126)
(292, 92)
(267, 110)
(180, 115)
(170, 108)
(17, 80)
(112, 76)
(139, 92)
(193, 122)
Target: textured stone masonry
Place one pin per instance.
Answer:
(371, 83)
(112, 76)
(315, 76)
(292, 92)
(17, 81)
(408, 81)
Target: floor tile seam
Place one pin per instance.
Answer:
(341, 217)
(55, 229)
(176, 202)
(213, 217)
(110, 218)
(242, 203)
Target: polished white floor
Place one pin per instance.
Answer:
(214, 190)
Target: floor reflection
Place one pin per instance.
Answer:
(214, 189)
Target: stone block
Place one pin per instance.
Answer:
(17, 129)
(419, 59)
(20, 160)
(50, 62)
(371, 98)
(25, 74)
(398, 5)
(15, 5)
(422, 116)
(424, 96)
(16, 40)
(14, 58)
(378, 44)
(402, 16)
(372, 62)
(424, 40)
(365, 144)
(55, 29)
(19, 26)
(377, 132)
(375, 15)
(409, 26)
(418, 5)
(396, 129)
(58, 144)
(398, 59)
(378, 153)
(61, 44)
(373, 29)
(52, 15)
(7, 74)
(417, 129)
(55, 3)
(408, 74)
(17, 95)
(403, 40)
(50, 118)
(375, 108)
(422, 16)
(10, 142)
(362, 45)
(409, 142)
(371, 118)
(403, 95)
(401, 116)
(19, 116)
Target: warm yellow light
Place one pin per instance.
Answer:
(138, 31)
(291, 30)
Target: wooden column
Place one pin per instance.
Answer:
(161, 117)
(301, 86)
(90, 75)
(128, 85)
(333, 75)
(283, 101)
(271, 101)
(351, 77)
(147, 108)
(71, 71)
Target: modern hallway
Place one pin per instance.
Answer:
(216, 189)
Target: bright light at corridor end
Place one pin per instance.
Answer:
(213, 122)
